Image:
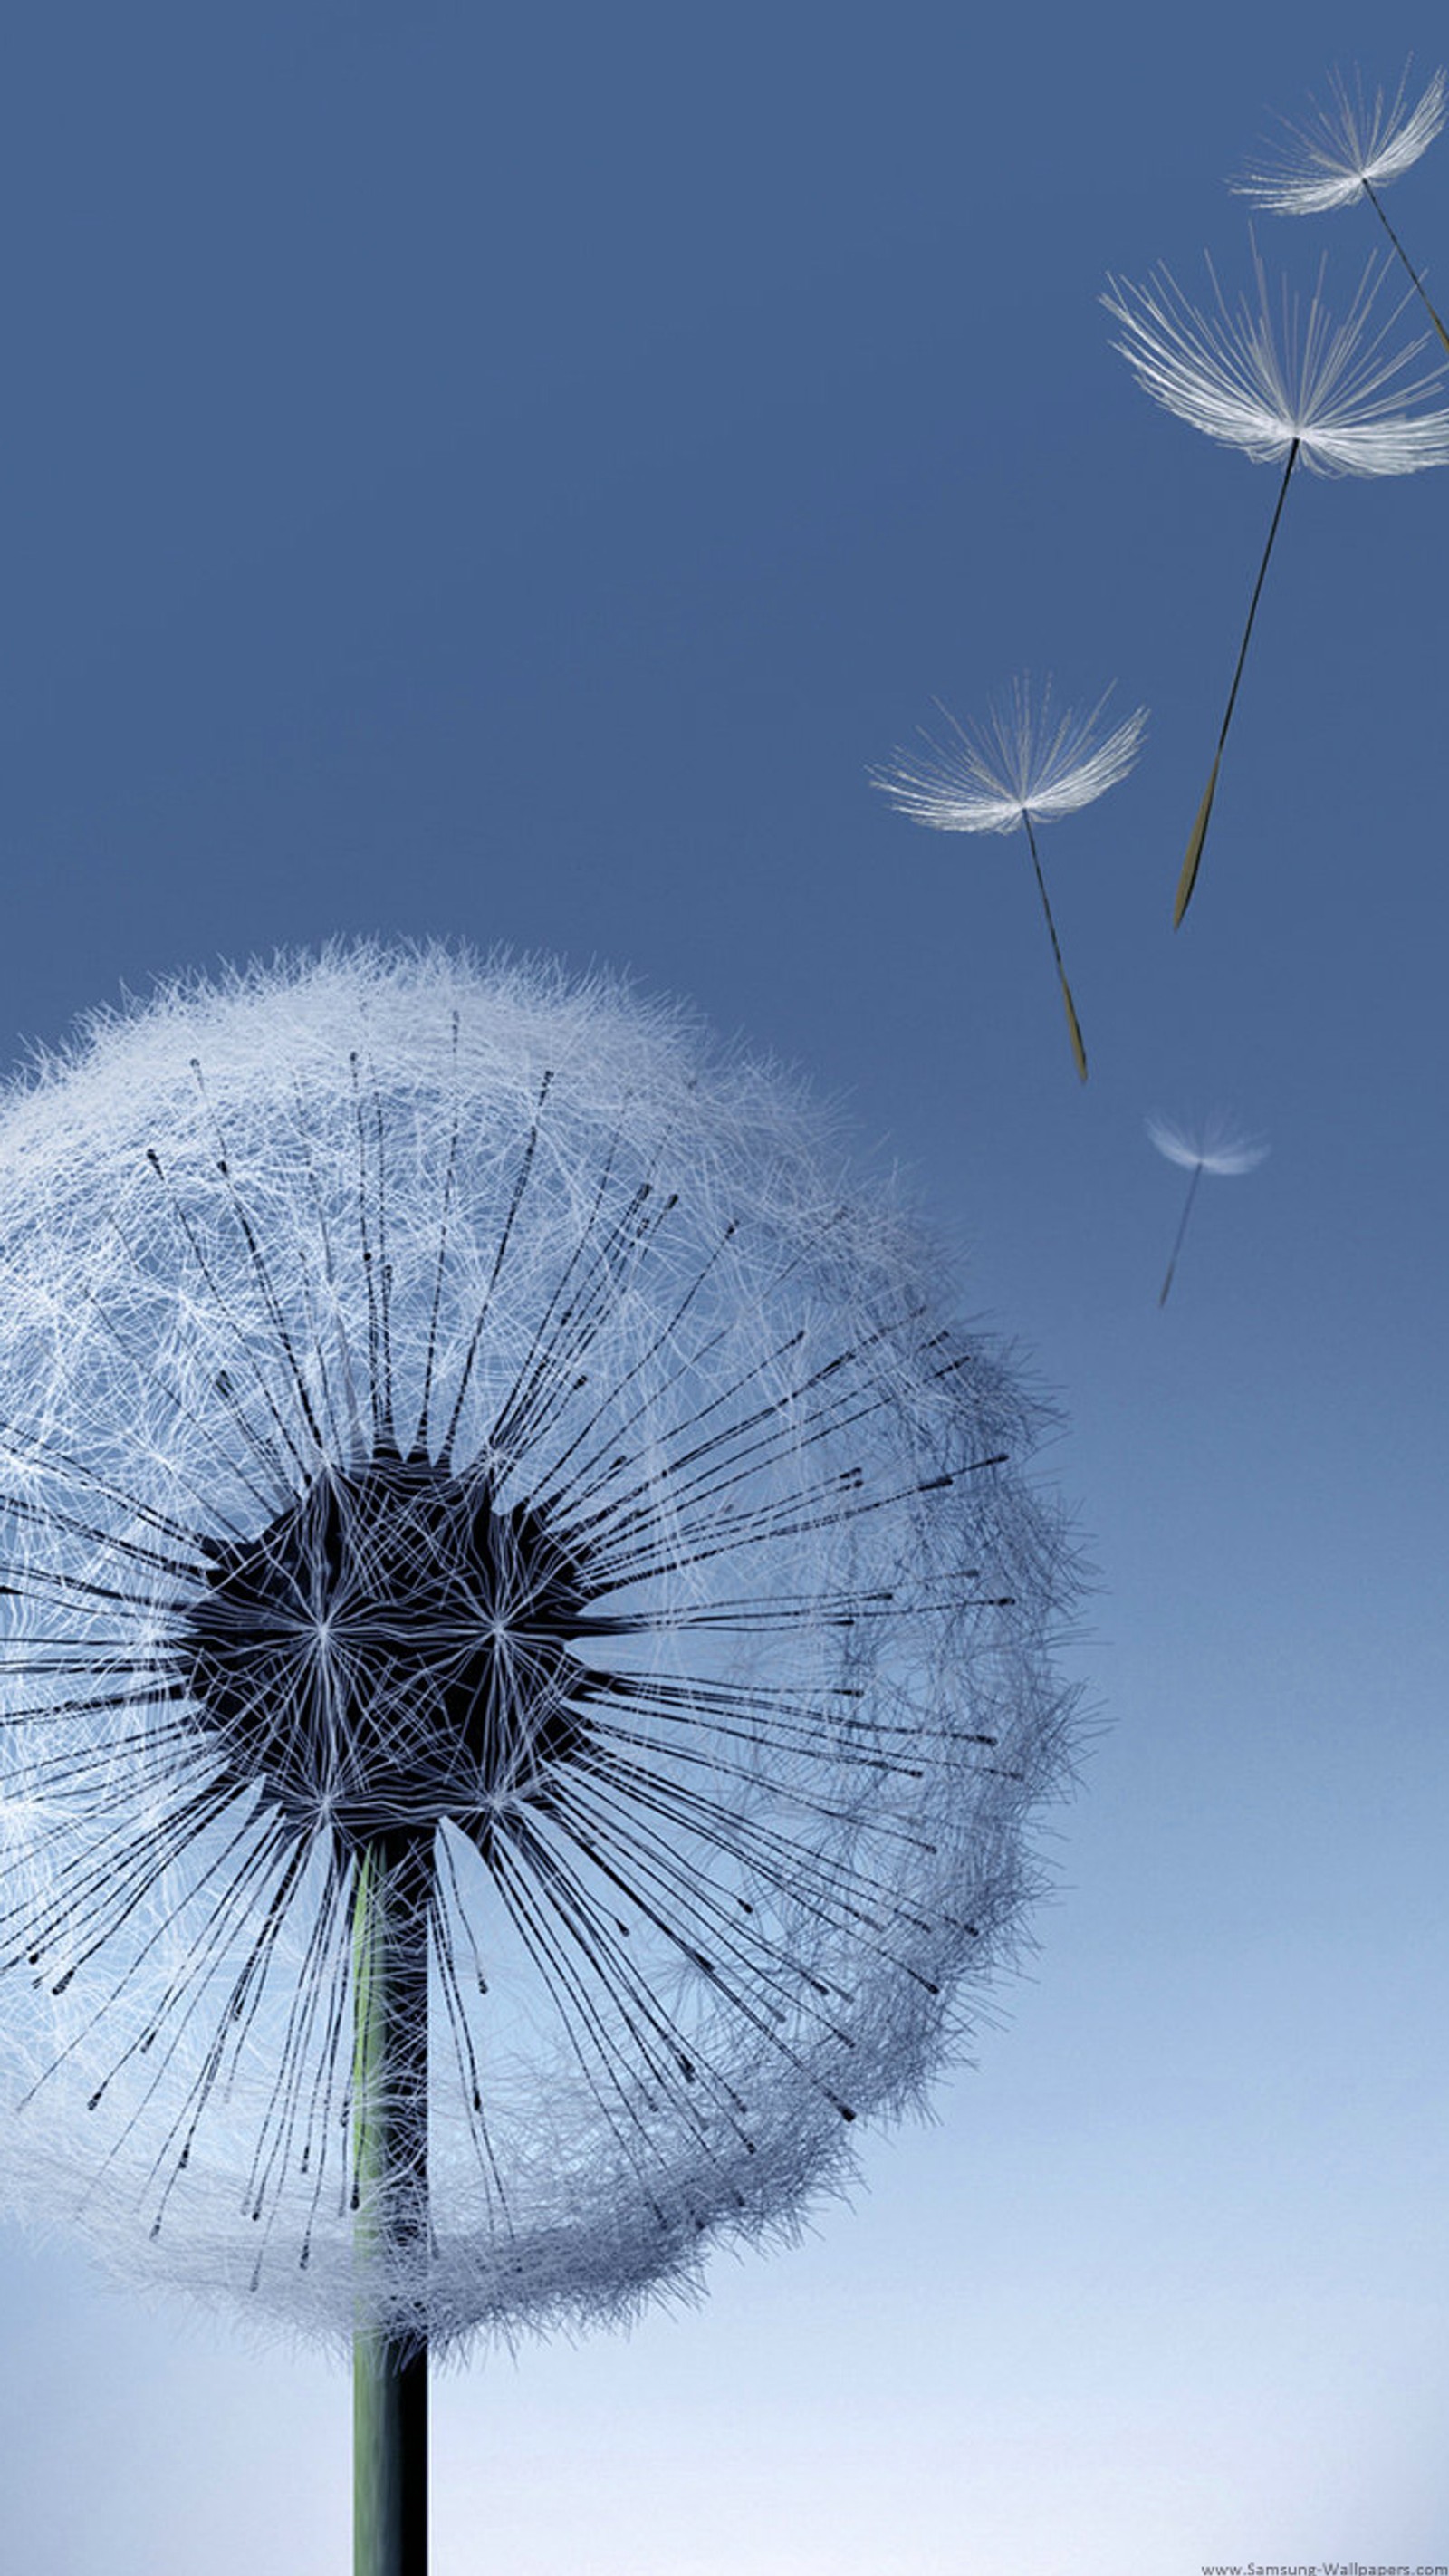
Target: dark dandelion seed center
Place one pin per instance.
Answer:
(392, 1648)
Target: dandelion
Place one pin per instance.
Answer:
(1279, 380)
(1027, 763)
(1347, 148)
(522, 1666)
(1212, 1148)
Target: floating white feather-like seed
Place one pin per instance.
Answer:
(1212, 1147)
(1284, 382)
(1028, 762)
(1346, 145)
(1028, 758)
(1273, 373)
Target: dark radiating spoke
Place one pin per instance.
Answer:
(553, 1366)
(731, 1992)
(430, 1355)
(570, 1493)
(260, 1272)
(153, 1757)
(51, 1518)
(117, 1873)
(505, 1237)
(580, 2020)
(185, 1978)
(347, 1433)
(768, 1433)
(609, 1839)
(658, 2043)
(60, 1467)
(245, 1342)
(212, 1515)
(318, 1977)
(779, 1860)
(771, 1523)
(379, 1394)
(94, 1704)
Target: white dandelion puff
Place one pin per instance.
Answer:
(1214, 1148)
(1279, 378)
(1276, 376)
(523, 1662)
(1027, 762)
(1347, 148)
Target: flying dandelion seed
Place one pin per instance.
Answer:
(1344, 150)
(1213, 1148)
(523, 1669)
(1027, 763)
(1279, 380)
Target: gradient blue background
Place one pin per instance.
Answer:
(507, 473)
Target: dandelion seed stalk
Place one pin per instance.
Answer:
(1181, 1231)
(1418, 284)
(1079, 1052)
(1193, 860)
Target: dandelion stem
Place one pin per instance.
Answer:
(1079, 1052)
(1197, 1172)
(390, 2070)
(1193, 860)
(1408, 263)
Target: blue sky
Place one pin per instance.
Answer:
(509, 476)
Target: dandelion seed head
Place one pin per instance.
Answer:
(1214, 1146)
(1273, 371)
(450, 1410)
(1027, 759)
(1347, 143)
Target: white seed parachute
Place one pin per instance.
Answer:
(452, 1418)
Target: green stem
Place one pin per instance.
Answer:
(390, 2074)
